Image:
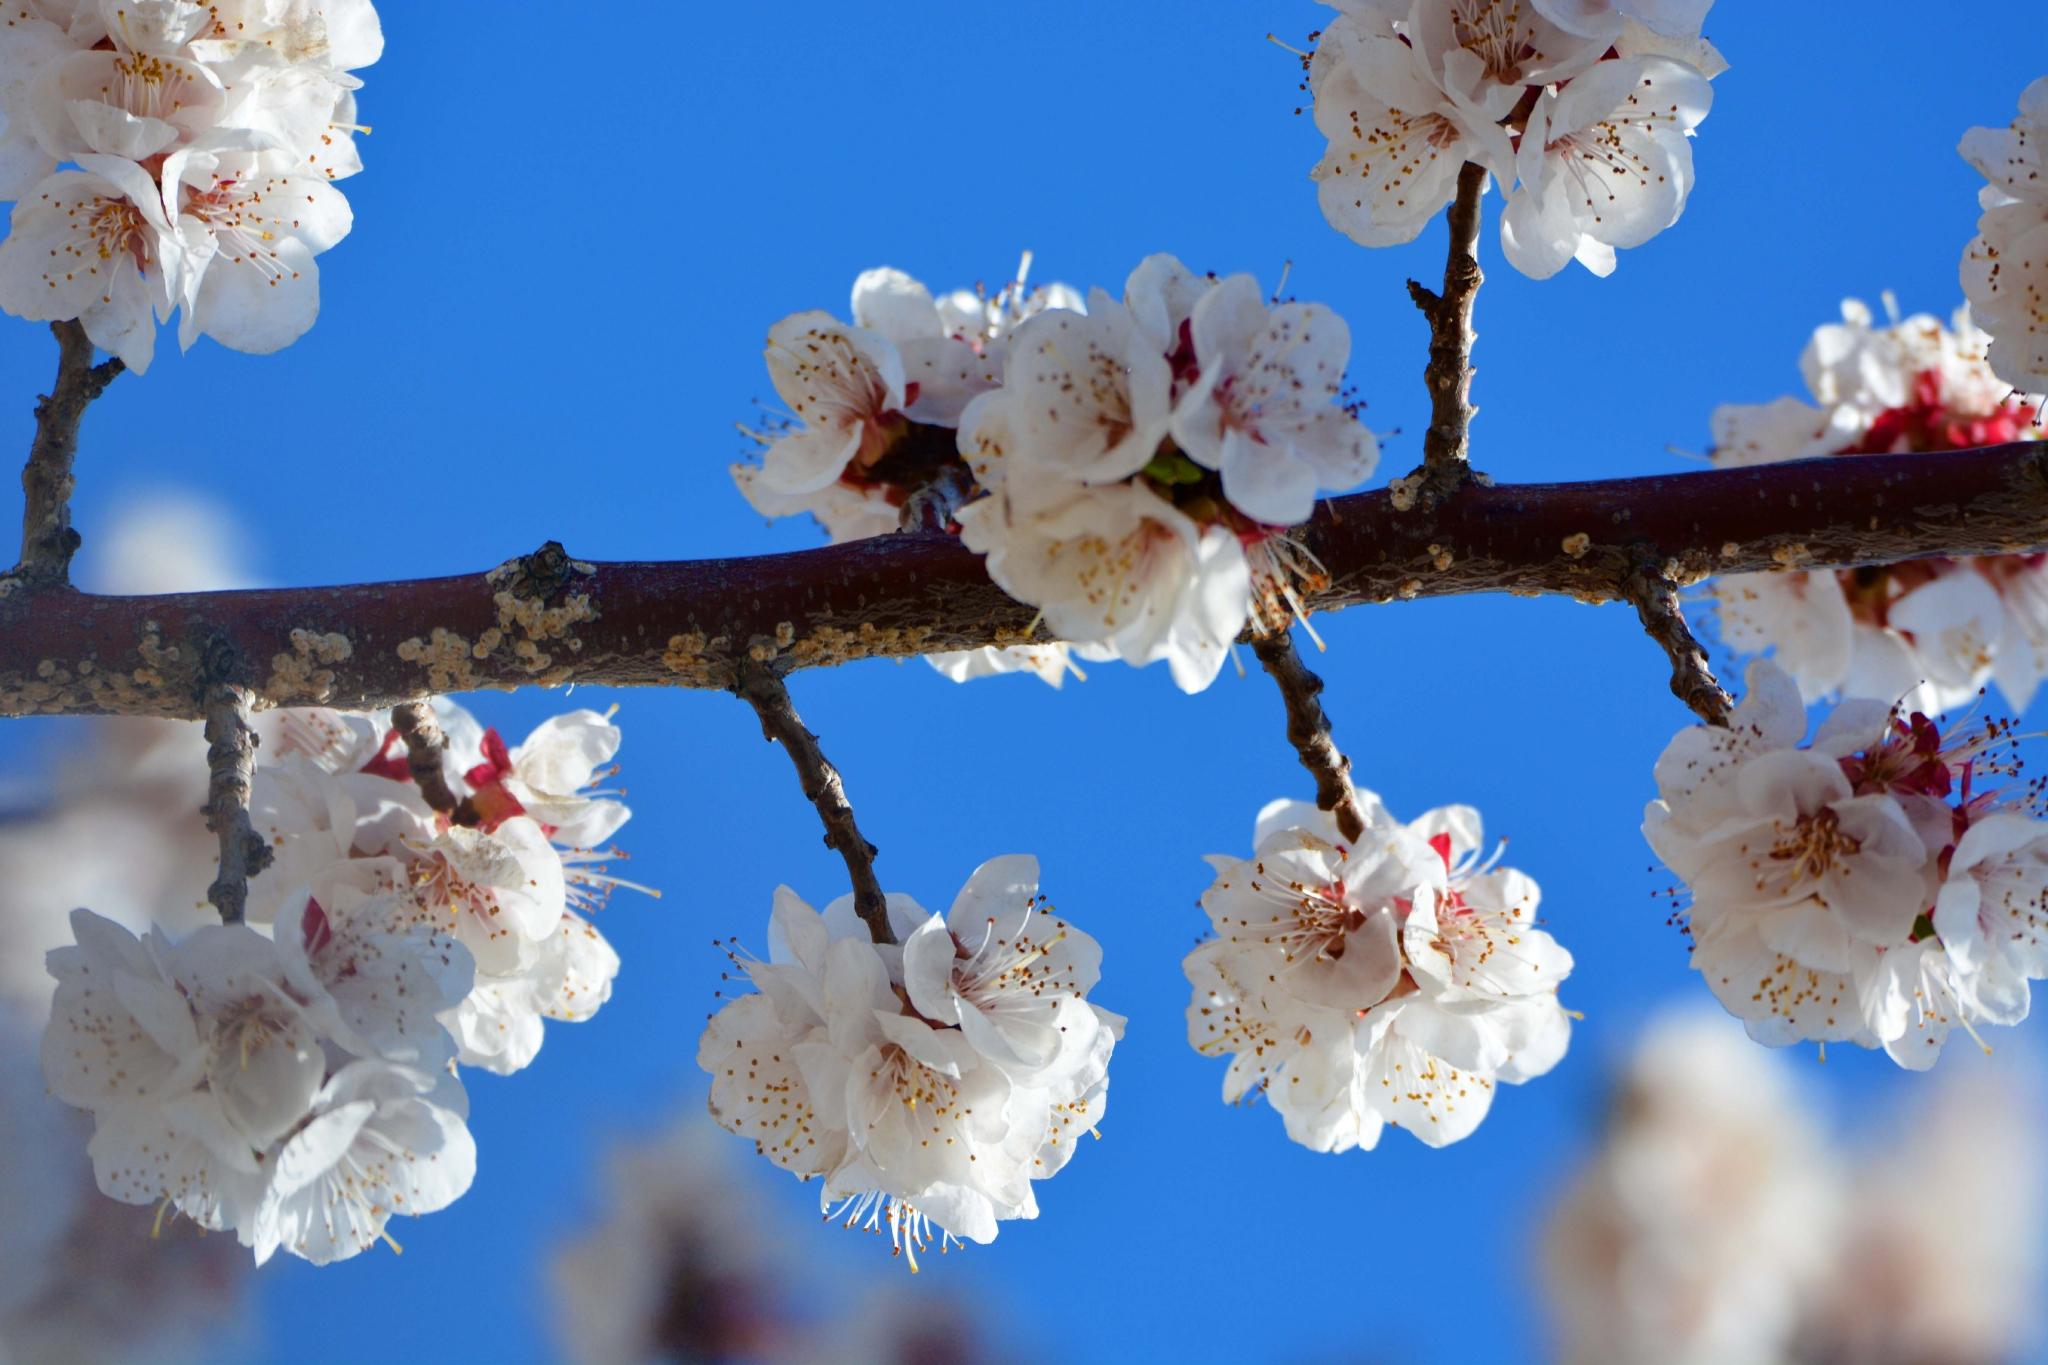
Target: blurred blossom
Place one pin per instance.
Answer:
(1705, 1220)
(1941, 1257)
(172, 542)
(692, 1264)
(900, 1326)
(1716, 1227)
(686, 1266)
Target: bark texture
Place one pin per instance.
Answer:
(547, 619)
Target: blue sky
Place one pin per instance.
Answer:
(545, 325)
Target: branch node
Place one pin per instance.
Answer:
(1663, 615)
(762, 688)
(231, 765)
(1308, 729)
(541, 576)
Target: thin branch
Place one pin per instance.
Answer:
(231, 760)
(1308, 729)
(1663, 616)
(762, 688)
(1446, 446)
(424, 745)
(550, 620)
(47, 540)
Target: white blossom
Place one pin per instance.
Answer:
(513, 886)
(206, 138)
(94, 244)
(1085, 396)
(1397, 981)
(926, 1087)
(206, 1064)
(1117, 565)
(1263, 410)
(1580, 109)
(2005, 267)
(1397, 138)
(1050, 663)
(1606, 162)
(908, 367)
(1874, 887)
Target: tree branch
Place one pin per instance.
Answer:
(1446, 446)
(549, 620)
(231, 759)
(424, 745)
(1308, 729)
(47, 540)
(1692, 680)
(762, 688)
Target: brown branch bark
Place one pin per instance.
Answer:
(1446, 446)
(424, 745)
(1663, 616)
(761, 687)
(231, 761)
(1308, 730)
(47, 540)
(547, 619)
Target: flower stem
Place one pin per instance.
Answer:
(1692, 678)
(762, 688)
(1308, 729)
(424, 746)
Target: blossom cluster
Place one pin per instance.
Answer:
(204, 138)
(1581, 110)
(1394, 981)
(928, 1082)
(1139, 460)
(1874, 886)
(1929, 631)
(2005, 267)
(293, 1079)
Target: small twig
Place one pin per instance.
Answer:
(231, 760)
(1663, 616)
(1308, 729)
(424, 746)
(762, 688)
(47, 540)
(1446, 446)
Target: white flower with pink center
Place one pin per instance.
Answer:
(1926, 634)
(1395, 982)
